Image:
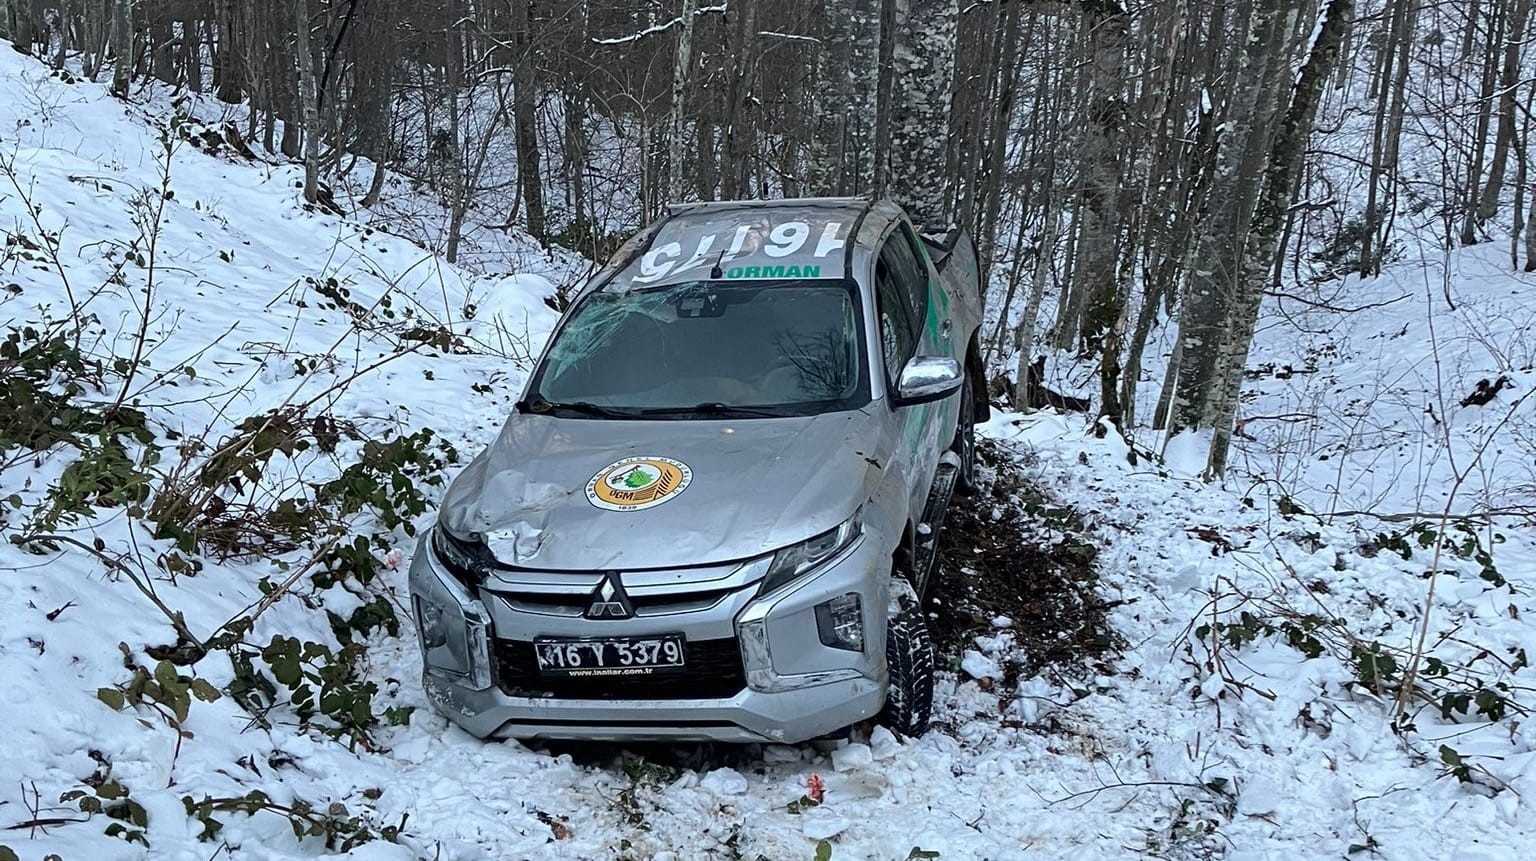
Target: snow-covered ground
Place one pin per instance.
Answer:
(1214, 735)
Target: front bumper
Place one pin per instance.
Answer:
(789, 686)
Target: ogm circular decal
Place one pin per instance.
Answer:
(637, 483)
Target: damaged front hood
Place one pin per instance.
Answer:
(578, 494)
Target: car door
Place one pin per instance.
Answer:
(910, 322)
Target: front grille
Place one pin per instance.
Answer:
(713, 671)
(575, 604)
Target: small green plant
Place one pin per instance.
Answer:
(645, 778)
(1454, 764)
(104, 476)
(110, 798)
(1461, 540)
(324, 688)
(43, 374)
(1300, 632)
(336, 825)
(163, 690)
(385, 477)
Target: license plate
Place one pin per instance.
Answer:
(626, 656)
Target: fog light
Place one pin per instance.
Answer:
(840, 622)
(432, 623)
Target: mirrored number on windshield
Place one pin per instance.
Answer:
(787, 238)
(782, 241)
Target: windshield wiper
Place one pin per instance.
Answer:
(715, 408)
(540, 405)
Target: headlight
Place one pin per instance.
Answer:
(431, 622)
(791, 562)
(466, 560)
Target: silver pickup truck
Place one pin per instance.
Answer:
(714, 514)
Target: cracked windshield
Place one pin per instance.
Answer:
(767, 348)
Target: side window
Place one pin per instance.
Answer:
(911, 274)
(898, 338)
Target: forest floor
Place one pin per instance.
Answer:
(1136, 662)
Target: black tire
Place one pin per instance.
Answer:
(964, 445)
(909, 658)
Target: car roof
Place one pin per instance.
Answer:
(798, 238)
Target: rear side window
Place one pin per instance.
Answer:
(911, 274)
(898, 325)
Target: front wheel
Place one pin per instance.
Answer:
(909, 659)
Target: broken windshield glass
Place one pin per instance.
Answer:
(706, 349)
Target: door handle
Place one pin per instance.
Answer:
(945, 327)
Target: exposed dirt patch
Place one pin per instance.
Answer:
(1012, 551)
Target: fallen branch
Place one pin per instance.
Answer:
(178, 622)
(1326, 306)
(1406, 516)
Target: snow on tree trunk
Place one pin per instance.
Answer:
(843, 144)
(677, 183)
(1285, 161)
(307, 102)
(1101, 142)
(922, 83)
(122, 47)
(1212, 278)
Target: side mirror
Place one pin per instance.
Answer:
(928, 378)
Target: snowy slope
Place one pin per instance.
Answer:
(1185, 749)
(1363, 410)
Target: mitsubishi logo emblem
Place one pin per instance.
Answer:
(609, 600)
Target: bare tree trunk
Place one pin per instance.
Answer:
(1069, 310)
(1023, 394)
(122, 47)
(997, 136)
(1469, 222)
(66, 29)
(890, 11)
(968, 115)
(94, 21)
(1285, 161)
(1099, 209)
(1382, 184)
(1517, 15)
(677, 185)
(1213, 278)
(191, 60)
(459, 186)
(227, 76)
(706, 172)
(1525, 160)
(1522, 165)
(524, 97)
(735, 163)
(311, 112)
(162, 48)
